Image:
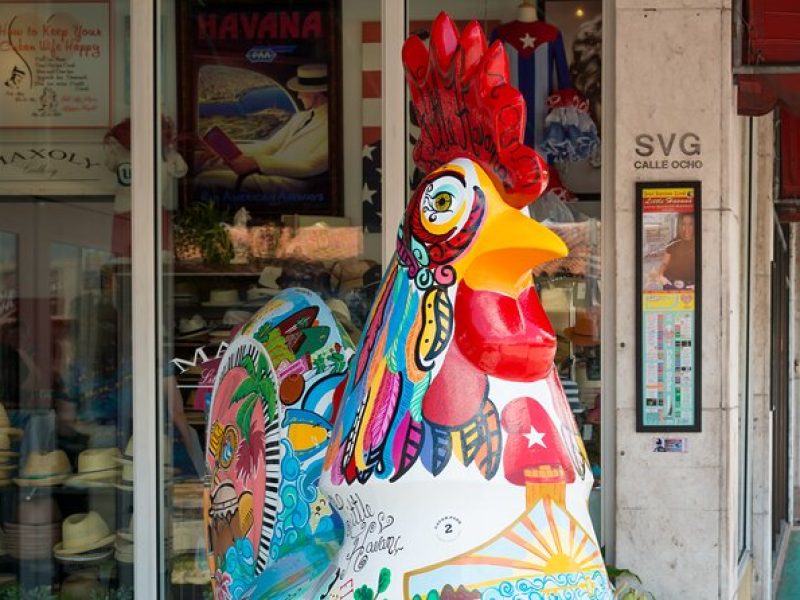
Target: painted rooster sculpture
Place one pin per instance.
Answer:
(452, 403)
(454, 469)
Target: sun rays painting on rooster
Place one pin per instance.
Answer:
(454, 374)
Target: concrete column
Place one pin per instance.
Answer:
(676, 513)
(760, 317)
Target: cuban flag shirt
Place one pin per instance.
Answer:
(538, 66)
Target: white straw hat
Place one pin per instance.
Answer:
(5, 423)
(96, 465)
(44, 469)
(83, 532)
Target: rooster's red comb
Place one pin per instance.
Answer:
(466, 108)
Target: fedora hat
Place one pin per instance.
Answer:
(222, 297)
(5, 447)
(586, 331)
(83, 532)
(44, 468)
(310, 78)
(194, 325)
(98, 465)
(5, 424)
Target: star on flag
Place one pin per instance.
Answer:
(534, 437)
(527, 41)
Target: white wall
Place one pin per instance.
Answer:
(676, 513)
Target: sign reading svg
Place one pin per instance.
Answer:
(668, 151)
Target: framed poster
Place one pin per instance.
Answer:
(668, 302)
(55, 64)
(260, 106)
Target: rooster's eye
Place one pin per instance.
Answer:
(442, 201)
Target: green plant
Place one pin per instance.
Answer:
(201, 224)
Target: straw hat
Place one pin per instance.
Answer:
(586, 331)
(96, 465)
(83, 532)
(123, 550)
(44, 468)
(5, 423)
(342, 313)
(310, 78)
(5, 447)
(268, 280)
(222, 297)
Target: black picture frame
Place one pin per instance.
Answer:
(648, 197)
(275, 49)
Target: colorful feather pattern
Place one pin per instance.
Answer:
(376, 322)
(437, 327)
(490, 452)
(382, 415)
(408, 445)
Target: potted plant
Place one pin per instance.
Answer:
(200, 234)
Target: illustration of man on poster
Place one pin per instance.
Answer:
(677, 269)
(294, 157)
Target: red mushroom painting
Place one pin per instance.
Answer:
(535, 455)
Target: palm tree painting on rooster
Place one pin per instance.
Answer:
(452, 403)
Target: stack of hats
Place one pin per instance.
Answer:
(37, 529)
(192, 327)
(85, 538)
(222, 297)
(97, 467)
(44, 469)
(187, 523)
(125, 481)
(123, 546)
(5, 424)
(7, 462)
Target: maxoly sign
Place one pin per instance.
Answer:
(53, 163)
(673, 151)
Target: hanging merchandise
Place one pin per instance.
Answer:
(558, 123)
(552, 205)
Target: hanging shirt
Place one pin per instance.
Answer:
(538, 66)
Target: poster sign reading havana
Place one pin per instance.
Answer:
(55, 65)
(260, 105)
(668, 299)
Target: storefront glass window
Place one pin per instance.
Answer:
(560, 81)
(270, 179)
(65, 302)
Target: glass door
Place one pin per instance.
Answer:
(65, 301)
(269, 182)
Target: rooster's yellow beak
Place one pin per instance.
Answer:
(508, 246)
